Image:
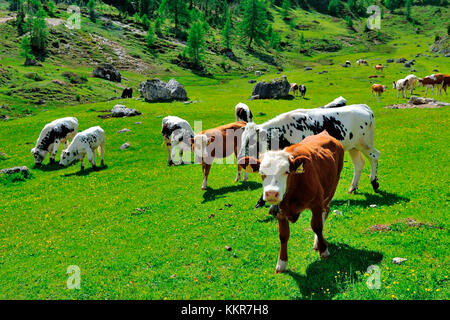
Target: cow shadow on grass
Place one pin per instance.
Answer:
(326, 278)
(214, 194)
(47, 167)
(381, 198)
(86, 172)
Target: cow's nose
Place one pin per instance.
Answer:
(272, 195)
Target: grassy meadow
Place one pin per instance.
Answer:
(138, 229)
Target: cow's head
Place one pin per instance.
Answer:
(67, 157)
(39, 155)
(199, 144)
(252, 141)
(274, 168)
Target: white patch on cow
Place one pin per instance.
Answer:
(275, 166)
(281, 265)
(200, 145)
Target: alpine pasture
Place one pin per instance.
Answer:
(139, 229)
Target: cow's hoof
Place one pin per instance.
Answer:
(260, 204)
(52, 161)
(281, 266)
(375, 185)
(324, 255)
(352, 190)
(95, 168)
(204, 188)
(170, 163)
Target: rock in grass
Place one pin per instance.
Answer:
(125, 146)
(155, 90)
(120, 111)
(107, 72)
(398, 260)
(124, 130)
(276, 89)
(24, 170)
(228, 248)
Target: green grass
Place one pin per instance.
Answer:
(139, 229)
(174, 248)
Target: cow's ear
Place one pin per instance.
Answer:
(249, 164)
(296, 164)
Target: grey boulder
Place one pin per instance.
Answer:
(155, 90)
(275, 89)
(107, 72)
(120, 111)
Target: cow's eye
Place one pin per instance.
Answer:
(286, 173)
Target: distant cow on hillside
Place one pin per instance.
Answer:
(378, 89)
(243, 113)
(127, 93)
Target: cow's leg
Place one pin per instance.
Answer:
(173, 151)
(180, 152)
(245, 176)
(317, 221)
(261, 203)
(91, 156)
(373, 155)
(101, 151)
(206, 167)
(358, 165)
(238, 175)
(169, 161)
(324, 218)
(283, 231)
(54, 150)
(82, 162)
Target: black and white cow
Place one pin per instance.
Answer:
(85, 144)
(177, 133)
(352, 125)
(127, 93)
(302, 90)
(52, 135)
(336, 103)
(243, 113)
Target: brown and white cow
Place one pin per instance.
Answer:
(378, 89)
(219, 143)
(294, 88)
(379, 67)
(301, 176)
(446, 82)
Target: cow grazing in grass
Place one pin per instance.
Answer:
(446, 82)
(243, 113)
(52, 135)
(85, 143)
(412, 82)
(294, 88)
(378, 89)
(302, 89)
(362, 62)
(127, 93)
(427, 82)
(220, 143)
(352, 125)
(379, 67)
(177, 134)
(439, 79)
(302, 176)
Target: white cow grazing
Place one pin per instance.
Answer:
(352, 125)
(243, 112)
(85, 143)
(401, 85)
(177, 133)
(54, 133)
(412, 82)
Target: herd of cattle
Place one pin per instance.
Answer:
(299, 154)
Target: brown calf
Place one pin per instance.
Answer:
(378, 89)
(379, 67)
(302, 176)
(220, 143)
(294, 88)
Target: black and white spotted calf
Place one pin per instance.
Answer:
(243, 113)
(52, 135)
(177, 134)
(352, 125)
(85, 144)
